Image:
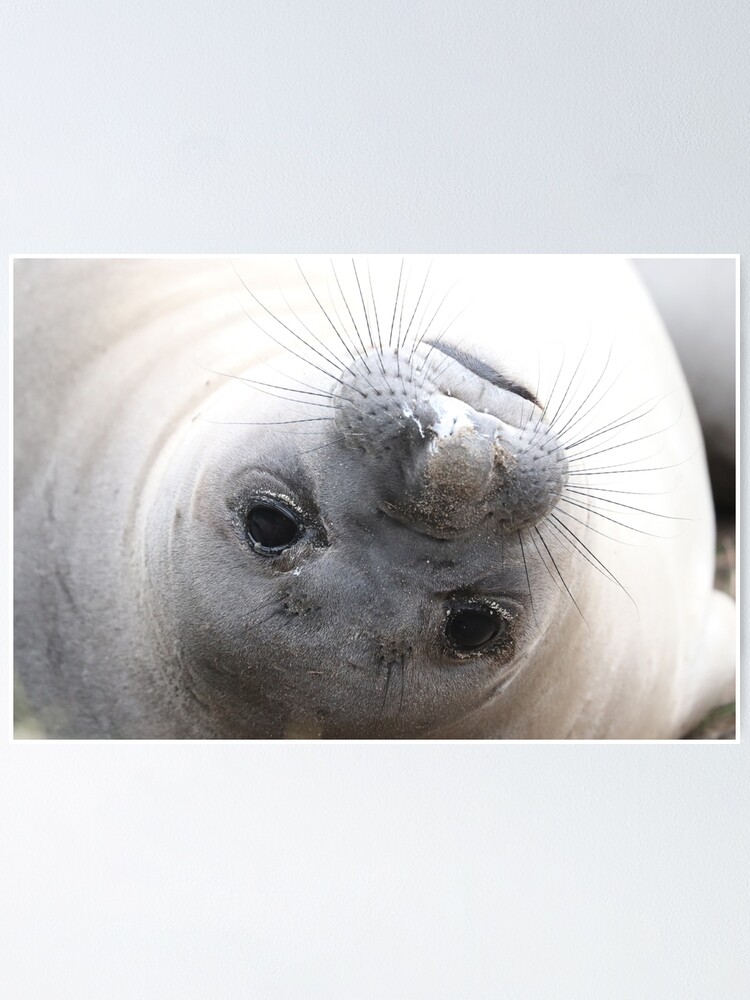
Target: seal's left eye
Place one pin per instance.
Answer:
(272, 527)
(473, 628)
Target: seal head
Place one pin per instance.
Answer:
(371, 584)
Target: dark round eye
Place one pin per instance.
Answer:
(474, 628)
(271, 526)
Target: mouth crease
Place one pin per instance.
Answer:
(485, 371)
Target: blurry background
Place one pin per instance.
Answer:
(697, 299)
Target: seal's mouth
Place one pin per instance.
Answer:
(484, 370)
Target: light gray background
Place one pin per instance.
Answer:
(358, 871)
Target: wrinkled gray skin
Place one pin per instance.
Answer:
(145, 608)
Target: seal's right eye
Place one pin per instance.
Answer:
(272, 527)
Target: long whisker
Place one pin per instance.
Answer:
(395, 304)
(326, 444)
(286, 327)
(265, 388)
(572, 419)
(562, 579)
(325, 313)
(351, 317)
(367, 318)
(628, 467)
(640, 510)
(416, 307)
(332, 356)
(262, 423)
(606, 517)
(419, 340)
(624, 493)
(249, 381)
(593, 407)
(551, 395)
(576, 539)
(353, 349)
(339, 361)
(569, 386)
(618, 423)
(528, 581)
(374, 306)
(589, 527)
(286, 347)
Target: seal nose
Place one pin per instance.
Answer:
(450, 472)
(437, 462)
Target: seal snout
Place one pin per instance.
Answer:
(439, 460)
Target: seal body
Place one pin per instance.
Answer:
(459, 497)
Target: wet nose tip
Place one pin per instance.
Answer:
(459, 464)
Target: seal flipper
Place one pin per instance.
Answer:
(714, 665)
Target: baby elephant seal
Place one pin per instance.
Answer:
(377, 497)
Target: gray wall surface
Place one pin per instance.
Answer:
(358, 871)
